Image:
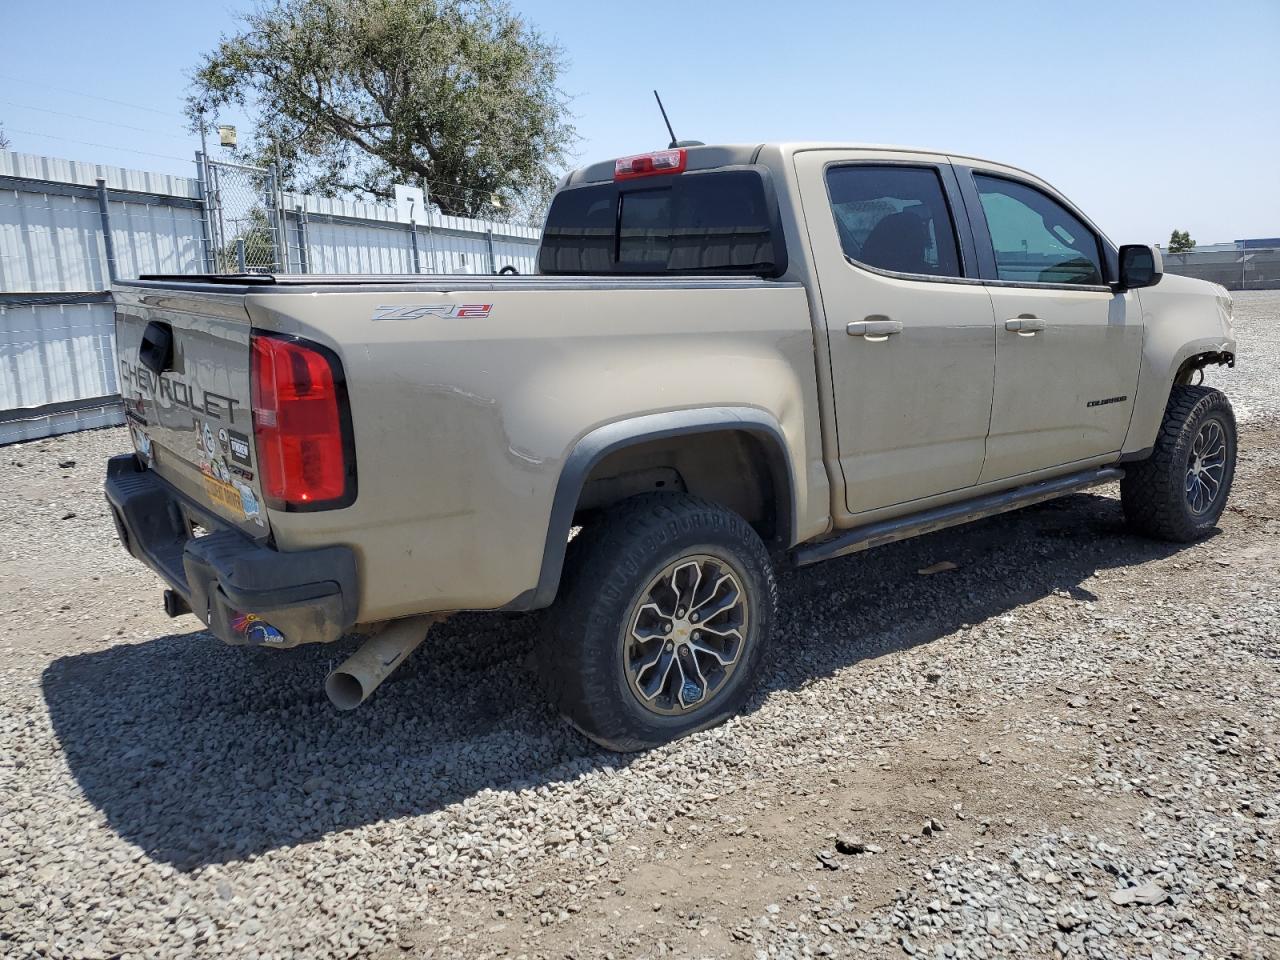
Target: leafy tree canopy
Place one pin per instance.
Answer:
(1180, 242)
(350, 97)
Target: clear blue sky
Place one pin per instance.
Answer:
(1149, 115)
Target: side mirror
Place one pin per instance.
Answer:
(1140, 266)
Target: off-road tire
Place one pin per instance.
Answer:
(609, 564)
(1154, 492)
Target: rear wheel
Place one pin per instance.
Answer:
(1180, 491)
(665, 608)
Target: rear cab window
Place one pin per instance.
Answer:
(894, 218)
(721, 221)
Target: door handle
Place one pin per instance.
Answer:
(877, 329)
(1025, 326)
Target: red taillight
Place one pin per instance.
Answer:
(300, 425)
(650, 164)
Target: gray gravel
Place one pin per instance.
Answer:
(1252, 383)
(987, 761)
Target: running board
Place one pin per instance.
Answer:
(871, 535)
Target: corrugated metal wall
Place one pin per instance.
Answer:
(353, 237)
(346, 248)
(51, 243)
(57, 366)
(57, 369)
(28, 166)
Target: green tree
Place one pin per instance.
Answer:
(350, 97)
(1180, 242)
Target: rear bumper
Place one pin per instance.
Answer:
(245, 592)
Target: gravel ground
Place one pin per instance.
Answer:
(1253, 383)
(1066, 746)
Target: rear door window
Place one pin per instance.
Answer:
(894, 218)
(1034, 238)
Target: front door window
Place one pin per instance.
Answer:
(1035, 238)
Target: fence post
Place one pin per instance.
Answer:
(276, 213)
(493, 260)
(301, 212)
(206, 228)
(108, 241)
(431, 245)
(241, 263)
(218, 227)
(413, 239)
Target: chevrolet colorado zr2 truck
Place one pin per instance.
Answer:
(731, 357)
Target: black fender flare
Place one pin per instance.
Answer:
(597, 444)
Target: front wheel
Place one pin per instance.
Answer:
(665, 609)
(1180, 491)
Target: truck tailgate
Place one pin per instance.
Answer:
(184, 364)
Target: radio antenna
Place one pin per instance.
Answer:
(666, 120)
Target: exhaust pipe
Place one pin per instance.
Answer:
(361, 673)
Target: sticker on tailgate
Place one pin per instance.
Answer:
(238, 499)
(225, 484)
(142, 444)
(223, 495)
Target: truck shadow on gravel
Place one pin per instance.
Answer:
(200, 753)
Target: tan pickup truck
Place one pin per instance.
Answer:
(732, 357)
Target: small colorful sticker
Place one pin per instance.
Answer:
(239, 444)
(248, 501)
(256, 630)
(142, 443)
(210, 445)
(224, 495)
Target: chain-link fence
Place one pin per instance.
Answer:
(252, 226)
(243, 210)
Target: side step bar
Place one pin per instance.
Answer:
(871, 535)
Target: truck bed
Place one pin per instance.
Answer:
(466, 395)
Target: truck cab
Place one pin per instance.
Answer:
(928, 268)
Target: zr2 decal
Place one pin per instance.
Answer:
(451, 311)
